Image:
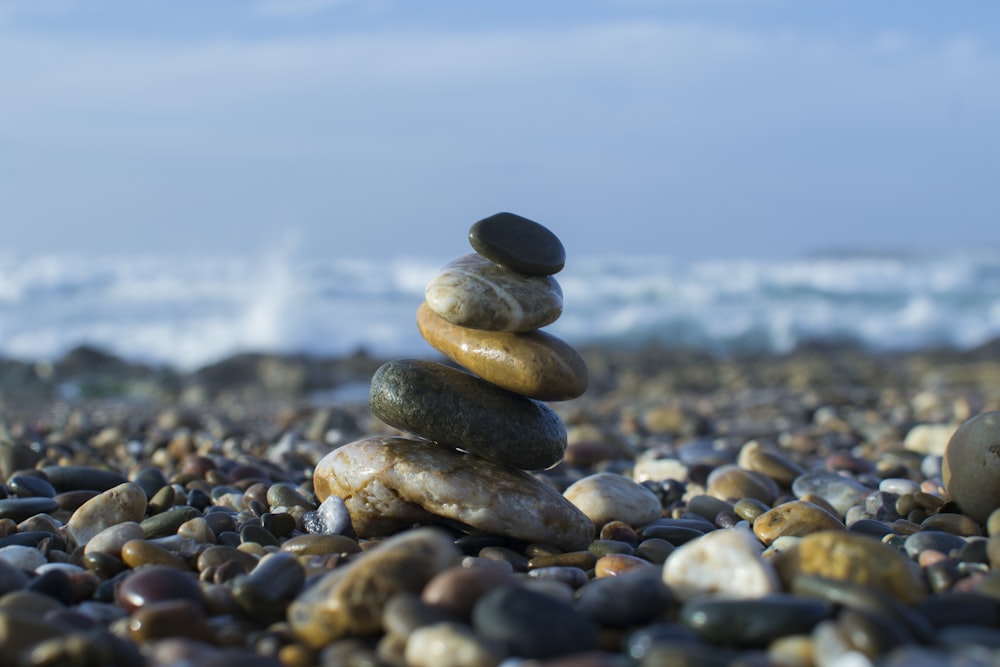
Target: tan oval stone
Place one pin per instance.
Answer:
(138, 553)
(754, 456)
(125, 502)
(349, 600)
(730, 481)
(614, 564)
(606, 496)
(853, 558)
(389, 483)
(533, 364)
(474, 292)
(795, 518)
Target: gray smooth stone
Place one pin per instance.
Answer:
(519, 244)
(932, 539)
(82, 478)
(265, 593)
(629, 599)
(458, 410)
(532, 624)
(841, 492)
(19, 509)
(167, 523)
(755, 622)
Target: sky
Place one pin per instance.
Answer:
(366, 128)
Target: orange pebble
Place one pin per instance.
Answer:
(614, 564)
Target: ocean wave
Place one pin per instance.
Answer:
(189, 311)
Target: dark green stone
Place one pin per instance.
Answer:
(166, 523)
(755, 622)
(456, 409)
(518, 244)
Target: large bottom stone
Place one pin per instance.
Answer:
(453, 408)
(390, 483)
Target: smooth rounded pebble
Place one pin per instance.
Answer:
(155, 584)
(721, 563)
(111, 540)
(858, 559)
(457, 410)
(389, 483)
(122, 503)
(534, 364)
(349, 600)
(474, 292)
(971, 465)
(451, 645)
(519, 244)
(533, 624)
(842, 493)
(606, 497)
(795, 518)
(754, 622)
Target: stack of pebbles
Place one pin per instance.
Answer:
(474, 437)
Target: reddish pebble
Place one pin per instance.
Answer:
(457, 589)
(158, 583)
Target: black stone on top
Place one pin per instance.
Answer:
(518, 244)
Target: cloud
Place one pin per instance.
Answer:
(296, 8)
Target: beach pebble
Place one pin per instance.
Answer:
(854, 558)
(82, 478)
(655, 470)
(349, 600)
(474, 292)
(22, 557)
(330, 518)
(389, 483)
(156, 584)
(456, 590)
(629, 599)
(458, 410)
(972, 465)
(606, 497)
(519, 244)
(929, 438)
(795, 518)
(532, 624)
(533, 364)
(841, 492)
(451, 645)
(111, 540)
(756, 457)
(932, 540)
(19, 509)
(122, 503)
(721, 563)
(755, 622)
(732, 482)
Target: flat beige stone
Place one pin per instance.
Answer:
(389, 483)
(796, 518)
(533, 364)
(474, 292)
(123, 503)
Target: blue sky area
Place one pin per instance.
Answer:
(687, 128)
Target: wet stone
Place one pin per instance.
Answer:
(532, 624)
(518, 243)
(158, 584)
(390, 483)
(455, 409)
(753, 622)
(533, 364)
(474, 292)
(140, 553)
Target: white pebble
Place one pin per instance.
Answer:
(25, 558)
(330, 518)
(899, 486)
(450, 645)
(723, 562)
(607, 496)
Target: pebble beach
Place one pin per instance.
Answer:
(827, 507)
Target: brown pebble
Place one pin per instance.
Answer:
(168, 619)
(582, 559)
(457, 589)
(157, 584)
(956, 524)
(797, 518)
(614, 564)
(518, 562)
(312, 545)
(137, 553)
(619, 531)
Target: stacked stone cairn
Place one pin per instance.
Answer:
(475, 434)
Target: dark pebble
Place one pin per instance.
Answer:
(29, 486)
(19, 509)
(54, 583)
(873, 633)
(518, 244)
(870, 527)
(266, 591)
(959, 608)
(158, 583)
(932, 539)
(31, 538)
(676, 535)
(150, 480)
(166, 523)
(255, 533)
(457, 409)
(532, 624)
(11, 578)
(82, 478)
(753, 622)
(960, 636)
(629, 599)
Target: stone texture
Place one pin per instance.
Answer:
(606, 497)
(122, 503)
(841, 492)
(732, 482)
(389, 483)
(853, 558)
(795, 518)
(721, 563)
(474, 292)
(458, 410)
(971, 465)
(519, 244)
(533, 364)
(349, 600)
